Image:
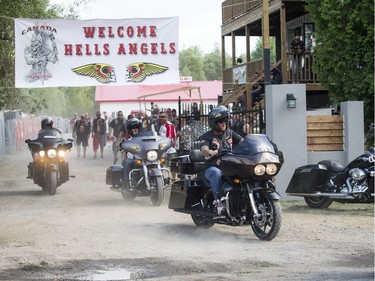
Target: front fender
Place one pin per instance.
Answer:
(51, 167)
(155, 172)
(274, 195)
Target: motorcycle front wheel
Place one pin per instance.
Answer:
(52, 182)
(157, 194)
(268, 223)
(318, 202)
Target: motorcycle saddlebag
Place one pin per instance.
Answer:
(307, 179)
(183, 192)
(181, 165)
(114, 175)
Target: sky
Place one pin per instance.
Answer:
(199, 20)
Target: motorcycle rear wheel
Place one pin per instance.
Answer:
(318, 202)
(127, 196)
(268, 224)
(202, 221)
(157, 195)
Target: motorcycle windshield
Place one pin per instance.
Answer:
(49, 137)
(254, 144)
(139, 144)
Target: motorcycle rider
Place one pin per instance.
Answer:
(46, 130)
(133, 127)
(211, 143)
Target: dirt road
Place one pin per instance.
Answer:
(87, 232)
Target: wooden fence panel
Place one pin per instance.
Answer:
(325, 133)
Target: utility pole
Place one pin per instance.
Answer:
(266, 43)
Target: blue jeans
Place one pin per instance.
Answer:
(127, 165)
(214, 175)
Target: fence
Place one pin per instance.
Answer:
(193, 122)
(325, 133)
(15, 128)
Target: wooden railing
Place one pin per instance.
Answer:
(325, 133)
(300, 68)
(297, 71)
(234, 8)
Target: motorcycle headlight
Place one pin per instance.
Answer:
(42, 153)
(152, 155)
(271, 169)
(51, 153)
(61, 153)
(259, 170)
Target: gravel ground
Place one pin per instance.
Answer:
(87, 232)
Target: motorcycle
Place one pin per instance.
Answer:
(149, 176)
(49, 170)
(329, 181)
(249, 193)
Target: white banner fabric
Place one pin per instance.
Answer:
(74, 53)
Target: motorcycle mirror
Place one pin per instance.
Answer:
(28, 141)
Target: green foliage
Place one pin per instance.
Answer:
(51, 100)
(212, 64)
(191, 63)
(344, 52)
(201, 66)
(257, 53)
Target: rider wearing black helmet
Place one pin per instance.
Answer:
(219, 138)
(133, 127)
(47, 135)
(46, 123)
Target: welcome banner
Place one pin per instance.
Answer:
(73, 53)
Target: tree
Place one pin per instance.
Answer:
(257, 53)
(212, 64)
(28, 100)
(344, 52)
(191, 63)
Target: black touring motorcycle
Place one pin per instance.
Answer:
(249, 194)
(49, 169)
(148, 176)
(329, 181)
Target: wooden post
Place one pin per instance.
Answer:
(233, 49)
(266, 43)
(284, 61)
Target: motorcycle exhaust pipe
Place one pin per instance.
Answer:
(320, 194)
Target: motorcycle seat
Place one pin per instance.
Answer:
(197, 161)
(332, 165)
(196, 156)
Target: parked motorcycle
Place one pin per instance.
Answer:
(249, 193)
(49, 169)
(329, 181)
(149, 176)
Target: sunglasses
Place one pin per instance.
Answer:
(222, 121)
(162, 116)
(133, 127)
